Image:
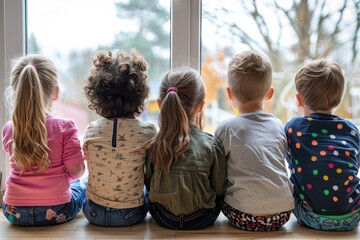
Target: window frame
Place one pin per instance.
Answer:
(184, 47)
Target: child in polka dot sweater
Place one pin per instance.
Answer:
(259, 195)
(323, 151)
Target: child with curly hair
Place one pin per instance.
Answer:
(45, 151)
(114, 144)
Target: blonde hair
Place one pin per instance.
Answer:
(249, 76)
(320, 84)
(32, 85)
(181, 91)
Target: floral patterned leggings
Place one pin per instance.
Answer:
(251, 222)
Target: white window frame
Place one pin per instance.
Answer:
(185, 45)
(12, 44)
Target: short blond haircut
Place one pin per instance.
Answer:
(249, 76)
(320, 84)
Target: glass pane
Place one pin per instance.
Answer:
(290, 33)
(71, 32)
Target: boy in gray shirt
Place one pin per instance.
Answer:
(259, 196)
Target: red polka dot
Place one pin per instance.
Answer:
(309, 186)
(331, 147)
(331, 165)
(348, 189)
(347, 153)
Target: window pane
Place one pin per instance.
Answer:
(290, 33)
(71, 32)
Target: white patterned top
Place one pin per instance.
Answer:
(116, 168)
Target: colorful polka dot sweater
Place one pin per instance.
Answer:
(323, 157)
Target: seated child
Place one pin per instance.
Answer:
(323, 152)
(259, 196)
(114, 144)
(45, 152)
(185, 167)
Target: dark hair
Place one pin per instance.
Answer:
(117, 85)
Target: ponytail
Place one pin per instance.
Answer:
(173, 137)
(181, 91)
(30, 149)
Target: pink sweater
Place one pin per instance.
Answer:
(51, 187)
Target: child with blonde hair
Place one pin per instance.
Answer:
(114, 144)
(45, 152)
(185, 167)
(323, 153)
(259, 193)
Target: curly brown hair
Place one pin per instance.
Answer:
(117, 85)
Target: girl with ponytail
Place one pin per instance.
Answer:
(45, 152)
(185, 167)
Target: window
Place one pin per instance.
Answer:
(73, 40)
(290, 33)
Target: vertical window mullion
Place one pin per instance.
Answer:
(12, 44)
(185, 33)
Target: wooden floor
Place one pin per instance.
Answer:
(79, 228)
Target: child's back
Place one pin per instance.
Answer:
(256, 144)
(44, 150)
(114, 144)
(186, 169)
(259, 193)
(323, 153)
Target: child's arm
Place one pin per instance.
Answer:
(218, 172)
(76, 171)
(148, 170)
(73, 156)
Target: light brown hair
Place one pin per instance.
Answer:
(117, 85)
(249, 76)
(33, 83)
(320, 84)
(181, 91)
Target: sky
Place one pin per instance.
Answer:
(80, 23)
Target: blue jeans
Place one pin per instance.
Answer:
(47, 215)
(201, 218)
(312, 220)
(112, 217)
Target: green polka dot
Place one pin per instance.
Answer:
(301, 196)
(314, 134)
(303, 188)
(350, 165)
(11, 218)
(324, 131)
(326, 192)
(296, 162)
(315, 172)
(323, 210)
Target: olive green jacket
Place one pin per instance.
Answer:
(196, 180)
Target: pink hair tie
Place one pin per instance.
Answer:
(32, 65)
(172, 89)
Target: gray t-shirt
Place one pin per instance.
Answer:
(255, 145)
